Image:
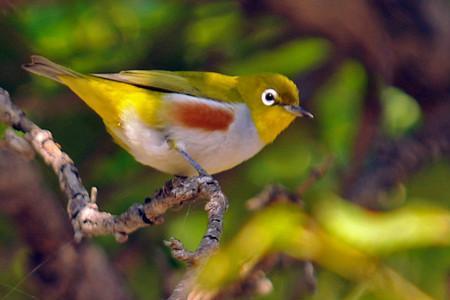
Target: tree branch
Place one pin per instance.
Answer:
(86, 218)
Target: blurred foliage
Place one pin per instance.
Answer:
(401, 113)
(2, 130)
(107, 36)
(377, 233)
(350, 252)
(339, 106)
(308, 53)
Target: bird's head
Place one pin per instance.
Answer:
(273, 101)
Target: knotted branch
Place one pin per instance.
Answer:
(88, 220)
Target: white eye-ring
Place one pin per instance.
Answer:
(269, 97)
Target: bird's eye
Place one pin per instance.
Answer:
(269, 97)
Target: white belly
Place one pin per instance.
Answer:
(215, 151)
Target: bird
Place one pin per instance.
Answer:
(184, 123)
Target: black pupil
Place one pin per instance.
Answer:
(270, 96)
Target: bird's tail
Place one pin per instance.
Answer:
(105, 97)
(44, 67)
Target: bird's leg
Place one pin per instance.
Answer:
(192, 162)
(180, 149)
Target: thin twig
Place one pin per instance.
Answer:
(277, 193)
(314, 175)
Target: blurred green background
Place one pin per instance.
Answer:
(109, 36)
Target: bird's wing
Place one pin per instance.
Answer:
(198, 84)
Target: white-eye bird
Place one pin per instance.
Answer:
(184, 123)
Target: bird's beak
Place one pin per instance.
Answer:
(298, 111)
